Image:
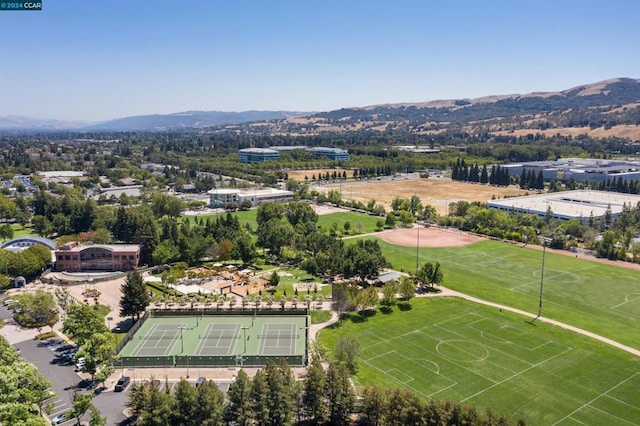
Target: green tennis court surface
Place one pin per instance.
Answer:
(217, 340)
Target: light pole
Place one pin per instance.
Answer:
(181, 328)
(545, 241)
(244, 338)
(417, 246)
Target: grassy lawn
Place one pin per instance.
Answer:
(318, 317)
(21, 231)
(601, 298)
(360, 223)
(297, 276)
(448, 348)
(248, 216)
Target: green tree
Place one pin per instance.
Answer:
(280, 402)
(238, 411)
(158, 409)
(245, 249)
(313, 397)
(274, 279)
(36, 309)
(347, 352)
(135, 297)
(259, 397)
(389, 293)
(82, 322)
(367, 298)
(374, 405)
(340, 395)
(407, 288)
(82, 402)
(210, 405)
(390, 220)
(185, 404)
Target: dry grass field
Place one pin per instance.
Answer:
(438, 192)
(621, 131)
(300, 174)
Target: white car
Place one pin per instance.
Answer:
(7, 302)
(60, 418)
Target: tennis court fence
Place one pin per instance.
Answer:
(206, 361)
(238, 310)
(131, 333)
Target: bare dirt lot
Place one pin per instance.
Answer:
(428, 237)
(439, 192)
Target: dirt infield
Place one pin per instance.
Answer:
(428, 237)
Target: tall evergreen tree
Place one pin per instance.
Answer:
(238, 411)
(135, 298)
(185, 404)
(210, 405)
(340, 395)
(259, 397)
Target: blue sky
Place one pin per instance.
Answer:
(103, 59)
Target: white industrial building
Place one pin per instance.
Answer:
(568, 205)
(220, 197)
(579, 169)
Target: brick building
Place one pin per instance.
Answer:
(73, 257)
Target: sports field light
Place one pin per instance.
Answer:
(545, 242)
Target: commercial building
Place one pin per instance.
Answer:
(19, 244)
(119, 191)
(256, 155)
(219, 198)
(336, 154)
(579, 169)
(73, 257)
(568, 205)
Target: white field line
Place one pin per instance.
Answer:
(596, 398)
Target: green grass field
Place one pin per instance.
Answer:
(360, 223)
(248, 216)
(447, 348)
(601, 298)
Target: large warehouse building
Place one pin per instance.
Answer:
(568, 204)
(579, 169)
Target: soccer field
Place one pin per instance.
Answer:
(600, 298)
(447, 348)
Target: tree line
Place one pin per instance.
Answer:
(273, 397)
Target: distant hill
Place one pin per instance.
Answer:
(156, 122)
(606, 108)
(14, 122)
(189, 119)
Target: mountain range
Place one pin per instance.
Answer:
(603, 109)
(155, 122)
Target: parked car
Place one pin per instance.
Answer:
(8, 302)
(122, 384)
(200, 380)
(60, 418)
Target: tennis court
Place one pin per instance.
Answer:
(217, 340)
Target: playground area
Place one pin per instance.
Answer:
(216, 340)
